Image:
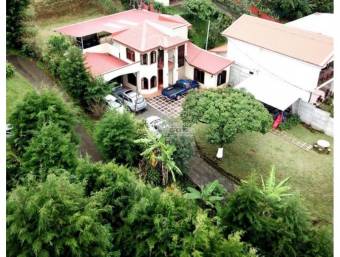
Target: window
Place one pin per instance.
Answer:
(130, 54)
(132, 79)
(180, 56)
(153, 81)
(221, 78)
(144, 59)
(145, 83)
(199, 75)
(153, 56)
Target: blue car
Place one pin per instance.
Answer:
(181, 87)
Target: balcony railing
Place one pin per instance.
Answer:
(325, 75)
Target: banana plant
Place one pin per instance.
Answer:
(209, 194)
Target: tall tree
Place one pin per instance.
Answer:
(35, 110)
(54, 218)
(115, 135)
(227, 111)
(49, 149)
(15, 19)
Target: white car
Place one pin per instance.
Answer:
(156, 124)
(113, 103)
(8, 129)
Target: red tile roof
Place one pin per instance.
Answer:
(98, 63)
(146, 37)
(121, 21)
(206, 60)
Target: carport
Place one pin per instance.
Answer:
(272, 91)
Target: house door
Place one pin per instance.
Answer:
(160, 77)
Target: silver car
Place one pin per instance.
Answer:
(130, 98)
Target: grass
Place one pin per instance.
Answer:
(16, 89)
(46, 27)
(311, 173)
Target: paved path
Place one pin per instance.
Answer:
(295, 141)
(39, 79)
(201, 173)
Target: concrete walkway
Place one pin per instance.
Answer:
(202, 173)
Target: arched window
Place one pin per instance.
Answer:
(153, 56)
(145, 83)
(144, 59)
(153, 81)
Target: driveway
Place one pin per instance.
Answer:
(169, 108)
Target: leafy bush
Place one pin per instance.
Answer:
(107, 6)
(116, 134)
(54, 218)
(66, 63)
(158, 6)
(15, 22)
(270, 213)
(290, 122)
(166, 223)
(32, 113)
(9, 70)
(13, 169)
(183, 141)
(49, 149)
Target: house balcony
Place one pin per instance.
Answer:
(326, 74)
(171, 62)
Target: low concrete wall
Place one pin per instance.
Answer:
(315, 117)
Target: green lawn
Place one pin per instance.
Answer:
(311, 173)
(16, 89)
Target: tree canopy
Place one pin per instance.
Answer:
(50, 149)
(35, 110)
(227, 111)
(54, 218)
(273, 220)
(287, 10)
(15, 19)
(116, 134)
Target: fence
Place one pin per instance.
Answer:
(315, 117)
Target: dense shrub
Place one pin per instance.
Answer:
(54, 218)
(286, 10)
(66, 63)
(273, 220)
(107, 6)
(157, 5)
(32, 113)
(15, 21)
(116, 134)
(13, 169)
(150, 222)
(206, 10)
(49, 149)
(290, 122)
(9, 70)
(184, 144)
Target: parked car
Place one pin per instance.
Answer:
(114, 104)
(181, 87)
(130, 98)
(155, 124)
(8, 129)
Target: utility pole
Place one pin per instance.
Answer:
(206, 41)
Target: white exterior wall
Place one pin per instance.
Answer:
(210, 81)
(182, 32)
(164, 2)
(253, 58)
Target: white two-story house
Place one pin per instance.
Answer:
(146, 51)
(281, 63)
